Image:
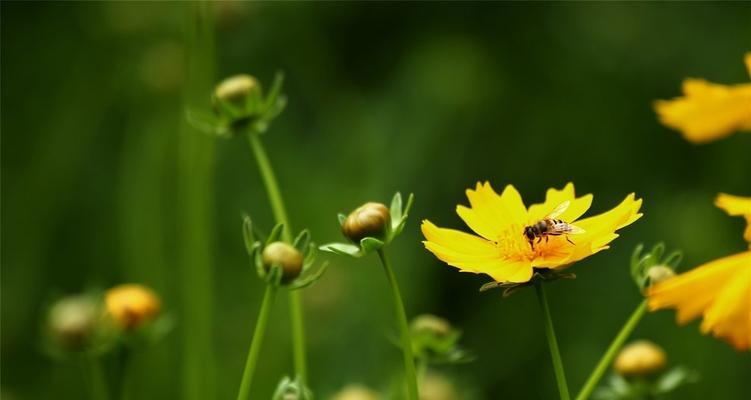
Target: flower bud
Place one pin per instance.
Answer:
(237, 88)
(369, 220)
(659, 273)
(431, 324)
(286, 257)
(437, 387)
(356, 392)
(131, 305)
(72, 320)
(640, 358)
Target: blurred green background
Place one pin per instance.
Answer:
(423, 98)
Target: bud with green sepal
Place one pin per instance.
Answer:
(240, 106)
(289, 389)
(653, 267)
(371, 226)
(280, 263)
(435, 341)
(640, 374)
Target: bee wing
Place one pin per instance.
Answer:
(564, 228)
(559, 210)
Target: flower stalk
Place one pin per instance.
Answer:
(280, 215)
(555, 355)
(404, 333)
(95, 378)
(257, 341)
(615, 346)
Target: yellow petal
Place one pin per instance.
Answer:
(708, 111)
(734, 205)
(470, 253)
(600, 229)
(720, 290)
(493, 214)
(554, 198)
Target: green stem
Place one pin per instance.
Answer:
(194, 212)
(555, 354)
(96, 379)
(280, 215)
(612, 351)
(257, 341)
(401, 316)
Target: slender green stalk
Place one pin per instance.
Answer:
(257, 341)
(555, 354)
(612, 351)
(401, 316)
(195, 194)
(97, 382)
(280, 215)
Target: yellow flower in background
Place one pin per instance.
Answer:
(708, 111)
(737, 206)
(719, 290)
(502, 250)
(130, 305)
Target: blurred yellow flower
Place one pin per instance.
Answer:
(130, 305)
(708, 111)
(737, 206)
(719, 290)
(503, 252)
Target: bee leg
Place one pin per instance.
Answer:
(532, 245)
(539, 240)
(547, 239)
(569, 240)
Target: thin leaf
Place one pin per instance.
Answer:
(248, 234)
(276, 89)
(302, 240)
(342, 218)
(673, 259)
(396, 210)
(370, 244)
(258, 262)
(276, 232)
(310, 279)
(346, 249)
(207, 123)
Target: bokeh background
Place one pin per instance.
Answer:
(423, 98)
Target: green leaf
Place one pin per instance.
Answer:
(302, 240)
(370, 244)
(275, 91)
(309, 279)
(248, 236)
(396, 210)
(276, 232)
(408, 207)
(658, 251)
(345, 249)
(258, 262)
(674, 379)
(310, 254)
(342, 218)
(673, 259)
(207, 123)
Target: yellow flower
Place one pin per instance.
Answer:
(737, 206)
(708, 111)
(640, 358)
(131, 305)
(719, 290)
(503, 252)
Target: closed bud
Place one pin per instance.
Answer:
(72, 320)
(131, 305)
(236, 89)
(369, 220)
(356, 392)
(437, 387)
(659, 273)
(428, 323)
(640, 358)
(284, 255)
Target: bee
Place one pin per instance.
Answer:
(550, 226)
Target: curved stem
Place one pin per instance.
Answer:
(257, 341)
(555, 355)
(612, 351)
(280, 215)
(401, 316)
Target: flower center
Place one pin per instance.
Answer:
(513, 244)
